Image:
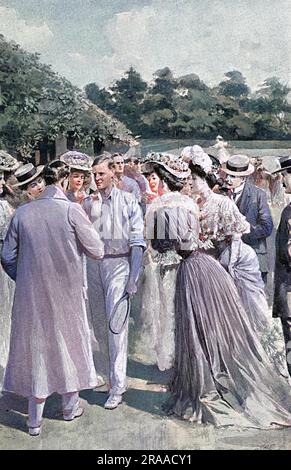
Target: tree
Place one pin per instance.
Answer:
(274, 95)
(241, 127)
(186, 107)
(157, 122)
(164, 83)
(127, 95)
(235, 85)
(38, 104)
(272, 110)
(191, 82)
(99, 96)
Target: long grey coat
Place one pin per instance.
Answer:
(50, 347)
(254, 206)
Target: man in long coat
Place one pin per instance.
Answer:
(50, 347)
(282, 278)
(252, 203)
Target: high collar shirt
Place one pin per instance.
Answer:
(237, 192)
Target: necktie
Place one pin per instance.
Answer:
(236, 195)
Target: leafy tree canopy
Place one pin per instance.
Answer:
(37, 103)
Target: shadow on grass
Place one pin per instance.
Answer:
(148, 372)
(146, 401)
(13, 411)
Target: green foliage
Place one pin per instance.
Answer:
(126, 97)
(186, 107)
(234, 86)
(99, 96)
(37, 103)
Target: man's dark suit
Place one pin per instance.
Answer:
(282, 279)
(254, 206)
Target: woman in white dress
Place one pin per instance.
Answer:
(221, 147)
(7, 165)
(156, 329)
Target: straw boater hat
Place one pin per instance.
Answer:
(77, 160)
(173, 164)
(27, 173)
(285, 164)
(7, 162)
(238, 165)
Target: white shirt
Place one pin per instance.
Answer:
(119, 221)
(237, 192)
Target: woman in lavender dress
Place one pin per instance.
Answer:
(222, 374)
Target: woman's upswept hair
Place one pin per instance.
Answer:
(55, 171)
(173, 183)
(210, 178)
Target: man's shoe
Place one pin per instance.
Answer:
(113, 401)
(72, 416)
(34, 431)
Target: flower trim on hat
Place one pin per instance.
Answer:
(198, 157)
(7, 161)
(167, 159)
(73, 158)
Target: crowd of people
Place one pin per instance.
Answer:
(186, 235)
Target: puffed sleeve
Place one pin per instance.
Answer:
(86, 234)
(232, 221)
(188, 227)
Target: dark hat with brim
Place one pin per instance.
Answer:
(285, 164)
(238, 165)
(27, 173)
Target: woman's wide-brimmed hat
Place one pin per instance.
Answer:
(7, 162)
(27, 173)
(77, 160)
(238, 165)
(173, 164)
(285, 164)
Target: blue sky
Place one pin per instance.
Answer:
(97, 40)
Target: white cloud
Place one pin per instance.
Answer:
(78, 57)
(208, 38)
(31, 36)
